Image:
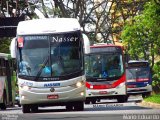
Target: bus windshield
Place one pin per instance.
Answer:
(105, 65)
(137, 73)
(50, 55)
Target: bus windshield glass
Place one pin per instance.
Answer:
(65, 54)
(50, 55)
(137, 73)
(106, 65)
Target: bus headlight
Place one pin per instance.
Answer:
(82, 93)
(79, 84)
(25, 88)
(23, 97)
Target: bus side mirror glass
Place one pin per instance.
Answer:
(13, 48)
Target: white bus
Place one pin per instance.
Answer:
(50, 61)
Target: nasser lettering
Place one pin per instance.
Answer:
(65, 39)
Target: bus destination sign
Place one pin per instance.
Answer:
(106, 49)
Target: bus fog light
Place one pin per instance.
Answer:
(78, 84)
(82, 93)
(91, 87)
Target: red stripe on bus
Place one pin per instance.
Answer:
(107, 86)
(142, 79)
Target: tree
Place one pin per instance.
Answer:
(156, 77)
(4, 45)
(143, 35)
(16, 8)
(123, 11)
(93, 15)
(157, 2)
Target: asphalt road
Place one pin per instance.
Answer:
(104, 110)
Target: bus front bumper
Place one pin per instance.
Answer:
(120, 90)
(45, 97)
(139, 90)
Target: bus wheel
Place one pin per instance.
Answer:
(69, 107)
(26, 108)
(79, 106)
(93, 101)
(122, 99)
(98, 100)
(87, 101)
(34, 108)
(19, 105)
(4, 104)
(145, 95)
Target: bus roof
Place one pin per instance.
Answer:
(98, 45)
(104, 47)
(5, 56)
(137, 63)
(47, 25)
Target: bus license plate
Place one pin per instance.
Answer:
(52, 97)
(103, 92)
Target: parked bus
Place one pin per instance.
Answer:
(7, 81)
(105, 73)
(139, 80)
(50, 63)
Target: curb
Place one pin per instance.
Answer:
(149, 104)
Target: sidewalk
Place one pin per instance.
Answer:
(149, 104)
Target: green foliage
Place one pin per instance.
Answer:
(4, 45)
(142, 35)
(156, 74)
(153, 98)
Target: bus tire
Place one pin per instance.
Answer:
(19, 105)
(4, 104)
(87, 101)
(34, 108)
(26, 108)
(145, 95)
(79, 106)
(93, 101)
(98, 100)
(122, 99)
(69, 107)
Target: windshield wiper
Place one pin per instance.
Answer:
(41, 68)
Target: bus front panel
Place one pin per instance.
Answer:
(51, 66)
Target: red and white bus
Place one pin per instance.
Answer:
(105, 73)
